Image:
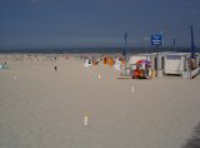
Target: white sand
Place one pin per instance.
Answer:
(41, 108)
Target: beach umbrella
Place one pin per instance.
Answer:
(146, 62)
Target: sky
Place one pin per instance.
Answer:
(95, 23)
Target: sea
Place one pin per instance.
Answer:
(109, 50)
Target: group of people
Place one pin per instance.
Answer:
(142, 68)
(89, 62)
(142, 72)
(107, 60)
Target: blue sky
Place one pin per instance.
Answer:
(86, 23)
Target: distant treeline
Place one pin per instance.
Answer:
(95, 50)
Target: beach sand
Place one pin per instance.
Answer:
(42, 108)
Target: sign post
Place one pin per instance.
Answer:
(156, 40)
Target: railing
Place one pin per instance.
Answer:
(195, 72)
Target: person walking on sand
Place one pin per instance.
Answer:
(55, 68)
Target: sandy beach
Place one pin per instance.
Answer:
(44, 108)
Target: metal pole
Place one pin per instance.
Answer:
(125, 44)
(174, 43)
(192, 42)
(163, 40)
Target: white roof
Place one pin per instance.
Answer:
(176, 53)
(143, 54)
(162, 53)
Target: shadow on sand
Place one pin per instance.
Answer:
(194, 141)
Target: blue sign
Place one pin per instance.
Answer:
(156, 39)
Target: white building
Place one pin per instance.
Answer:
(175, 63)
(165, 63)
